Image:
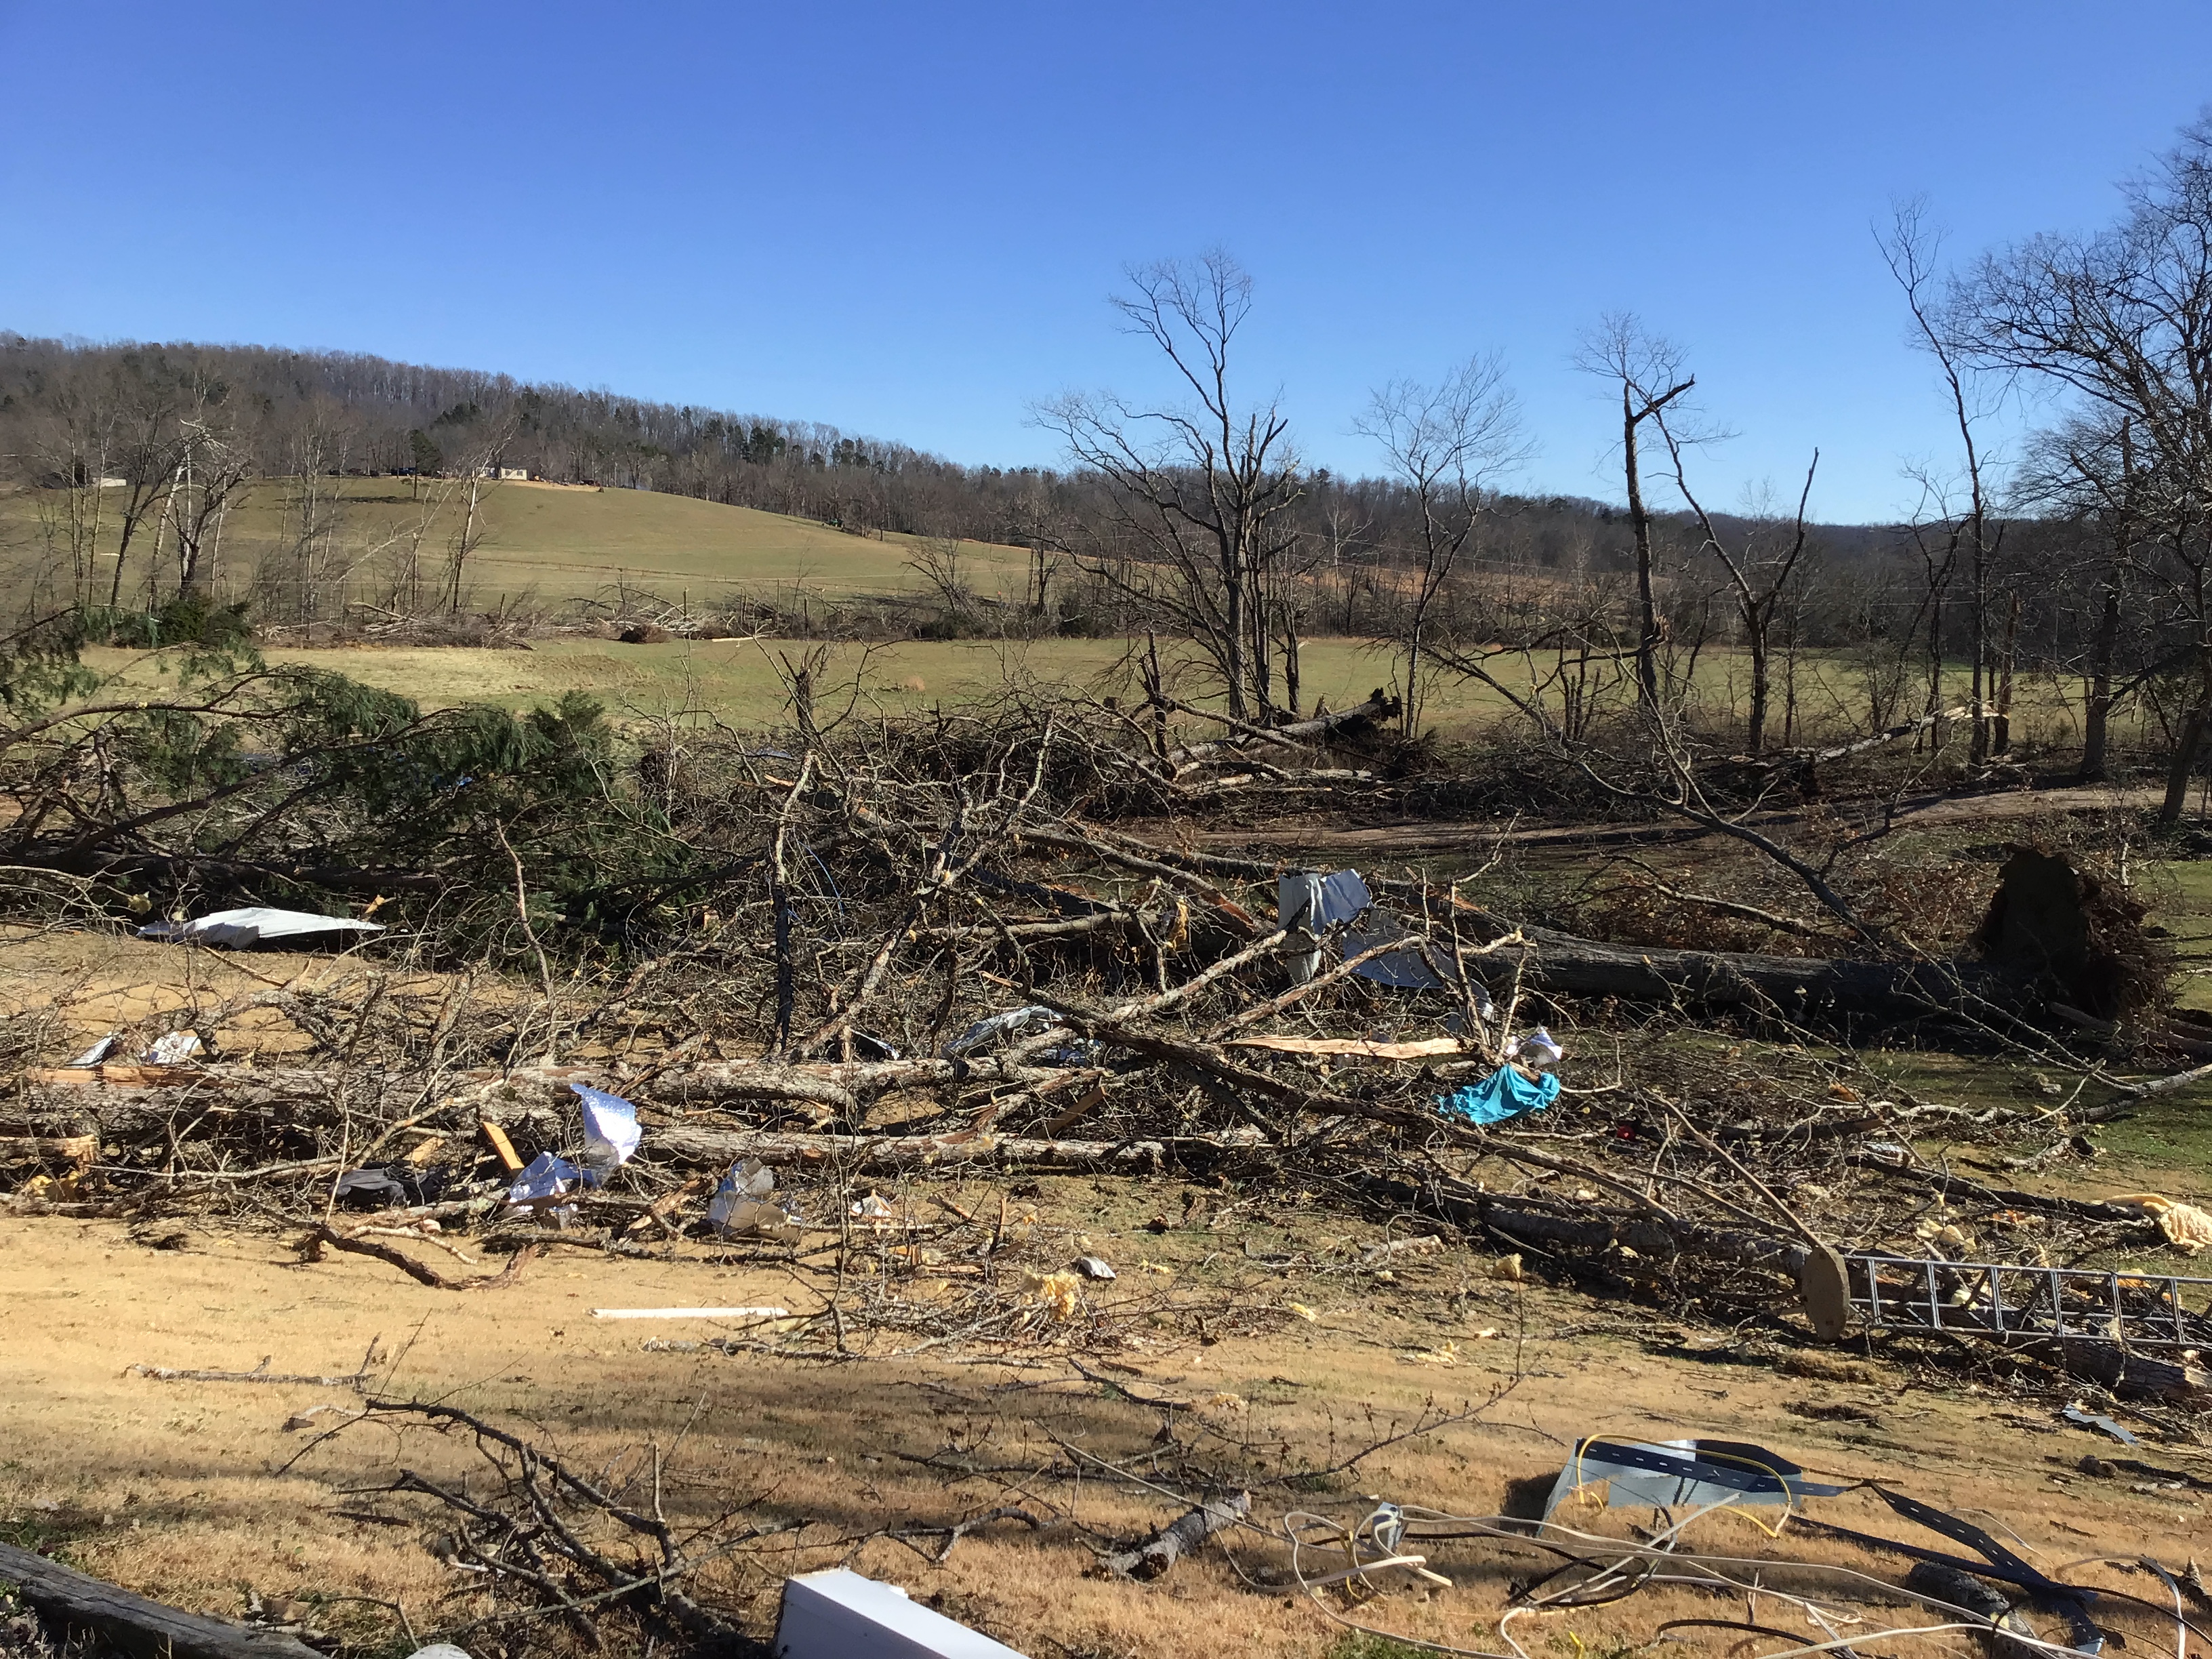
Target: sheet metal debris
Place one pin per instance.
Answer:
(741, 1206)
(610, 1130)
(1308, 904)
(545, 1178)
(839, 1614)
(2082, 1418)
(174, 1049)
(255, 925)
(999, 1028)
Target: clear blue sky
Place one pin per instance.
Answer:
(904, 220)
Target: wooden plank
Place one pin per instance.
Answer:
(1419, 1049)
(502, 1148)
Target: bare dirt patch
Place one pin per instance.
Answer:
(195, 1492)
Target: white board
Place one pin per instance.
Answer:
(839, 1614)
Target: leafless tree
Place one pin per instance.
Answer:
(2122, 320)
(213, 474)
(1204, 490)
(1910, 248)
(1444, 443)
(1650, 373)
(1758, 565)
(480, 478)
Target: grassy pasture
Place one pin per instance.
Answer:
(552, 542)
(735, 680)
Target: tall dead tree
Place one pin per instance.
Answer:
(1649, 374)
(1202, 491)
(1910, 247)
(1758, 568)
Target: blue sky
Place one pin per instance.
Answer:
(906, 220)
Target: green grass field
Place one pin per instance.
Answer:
(546, 541)
(549, 543)
(737, 681)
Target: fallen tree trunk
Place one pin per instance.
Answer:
(1377, 706)
(889, 1154)
(1156, 1554)
(112, 1092)
(1796, 986)
(153, 1629)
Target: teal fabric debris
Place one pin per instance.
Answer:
(1506, 1092)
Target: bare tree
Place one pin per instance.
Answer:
(1910, 248)
(480, 477)
(213, 472)
(1649, 374)
(1757, 568)
(936, 559)
(2122, 321)
(1444, 443)
(1206, 489)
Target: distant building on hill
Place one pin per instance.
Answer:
(509, 473)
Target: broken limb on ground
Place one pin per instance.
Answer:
(1343, 1328)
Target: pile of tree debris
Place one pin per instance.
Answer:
(936, 953)
(944, 972)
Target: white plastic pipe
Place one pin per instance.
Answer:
(691, 1313)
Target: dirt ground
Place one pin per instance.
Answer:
(199, 1492)
(196, 1491)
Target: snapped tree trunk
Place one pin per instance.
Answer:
(2097, 718)
(1647, 638)
(1755, 725)
(2186, 743)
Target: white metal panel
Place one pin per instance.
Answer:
(839, 1614)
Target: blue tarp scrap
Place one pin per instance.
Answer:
(1506, 1093)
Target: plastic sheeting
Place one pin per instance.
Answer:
(1684, 1473)
(254, 924)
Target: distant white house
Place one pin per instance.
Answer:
(512, 474)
